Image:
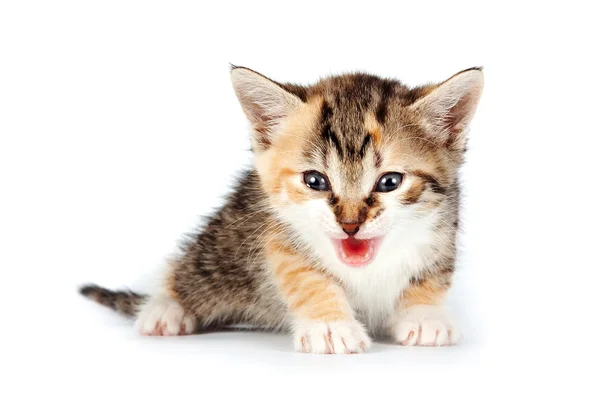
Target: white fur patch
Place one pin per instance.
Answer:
(373, 290)
(163, 316)
(425, 326)
(339, 337)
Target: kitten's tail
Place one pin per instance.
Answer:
(125, 302)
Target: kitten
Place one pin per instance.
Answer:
(344, 229)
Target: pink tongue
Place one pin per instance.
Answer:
(355, 248)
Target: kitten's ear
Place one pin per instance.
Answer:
(450, 106)
(265, 103)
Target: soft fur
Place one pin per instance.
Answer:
(266, 258)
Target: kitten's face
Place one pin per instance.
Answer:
(351, 160)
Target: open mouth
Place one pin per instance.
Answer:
(356, 252)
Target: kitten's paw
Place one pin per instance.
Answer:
(339, 337)
(425, 326)
(163, 316)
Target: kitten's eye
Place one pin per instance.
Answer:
(316, 181)
(389, 182)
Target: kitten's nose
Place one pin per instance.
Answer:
(350, 228)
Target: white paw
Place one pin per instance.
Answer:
(425, 326)
(163, 316)
(339, 337)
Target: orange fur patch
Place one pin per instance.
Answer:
(280, 165)
(428, 292)
(310, 293)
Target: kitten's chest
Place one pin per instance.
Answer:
(374, 290)
(374, 294)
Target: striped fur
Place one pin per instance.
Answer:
(266, 257)
(125, 302)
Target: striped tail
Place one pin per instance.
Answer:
(125, 302)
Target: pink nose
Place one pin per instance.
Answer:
(350, 229)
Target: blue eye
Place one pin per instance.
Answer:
(316, 181)
(389, 182)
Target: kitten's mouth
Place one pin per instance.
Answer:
(356, 252)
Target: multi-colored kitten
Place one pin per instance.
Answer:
(345, 229)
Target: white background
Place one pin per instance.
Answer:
(119, 129)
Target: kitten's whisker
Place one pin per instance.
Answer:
(259, 242)
(266, 240)
(419, 138)
(245, 217)
(249, 236)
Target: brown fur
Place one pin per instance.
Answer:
(125, 302)
(247, 265)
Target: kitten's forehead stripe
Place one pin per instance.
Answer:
(363, 148)
(382, 109)
(378, 159)
(326, 132)
(359, 114)
(354, 109)
(330, 136)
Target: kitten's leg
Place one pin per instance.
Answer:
(323, 320)
(421, 319)
(162, 314)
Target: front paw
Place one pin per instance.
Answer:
(425, 326)
(337, 337)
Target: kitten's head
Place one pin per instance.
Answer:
(354, 158)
